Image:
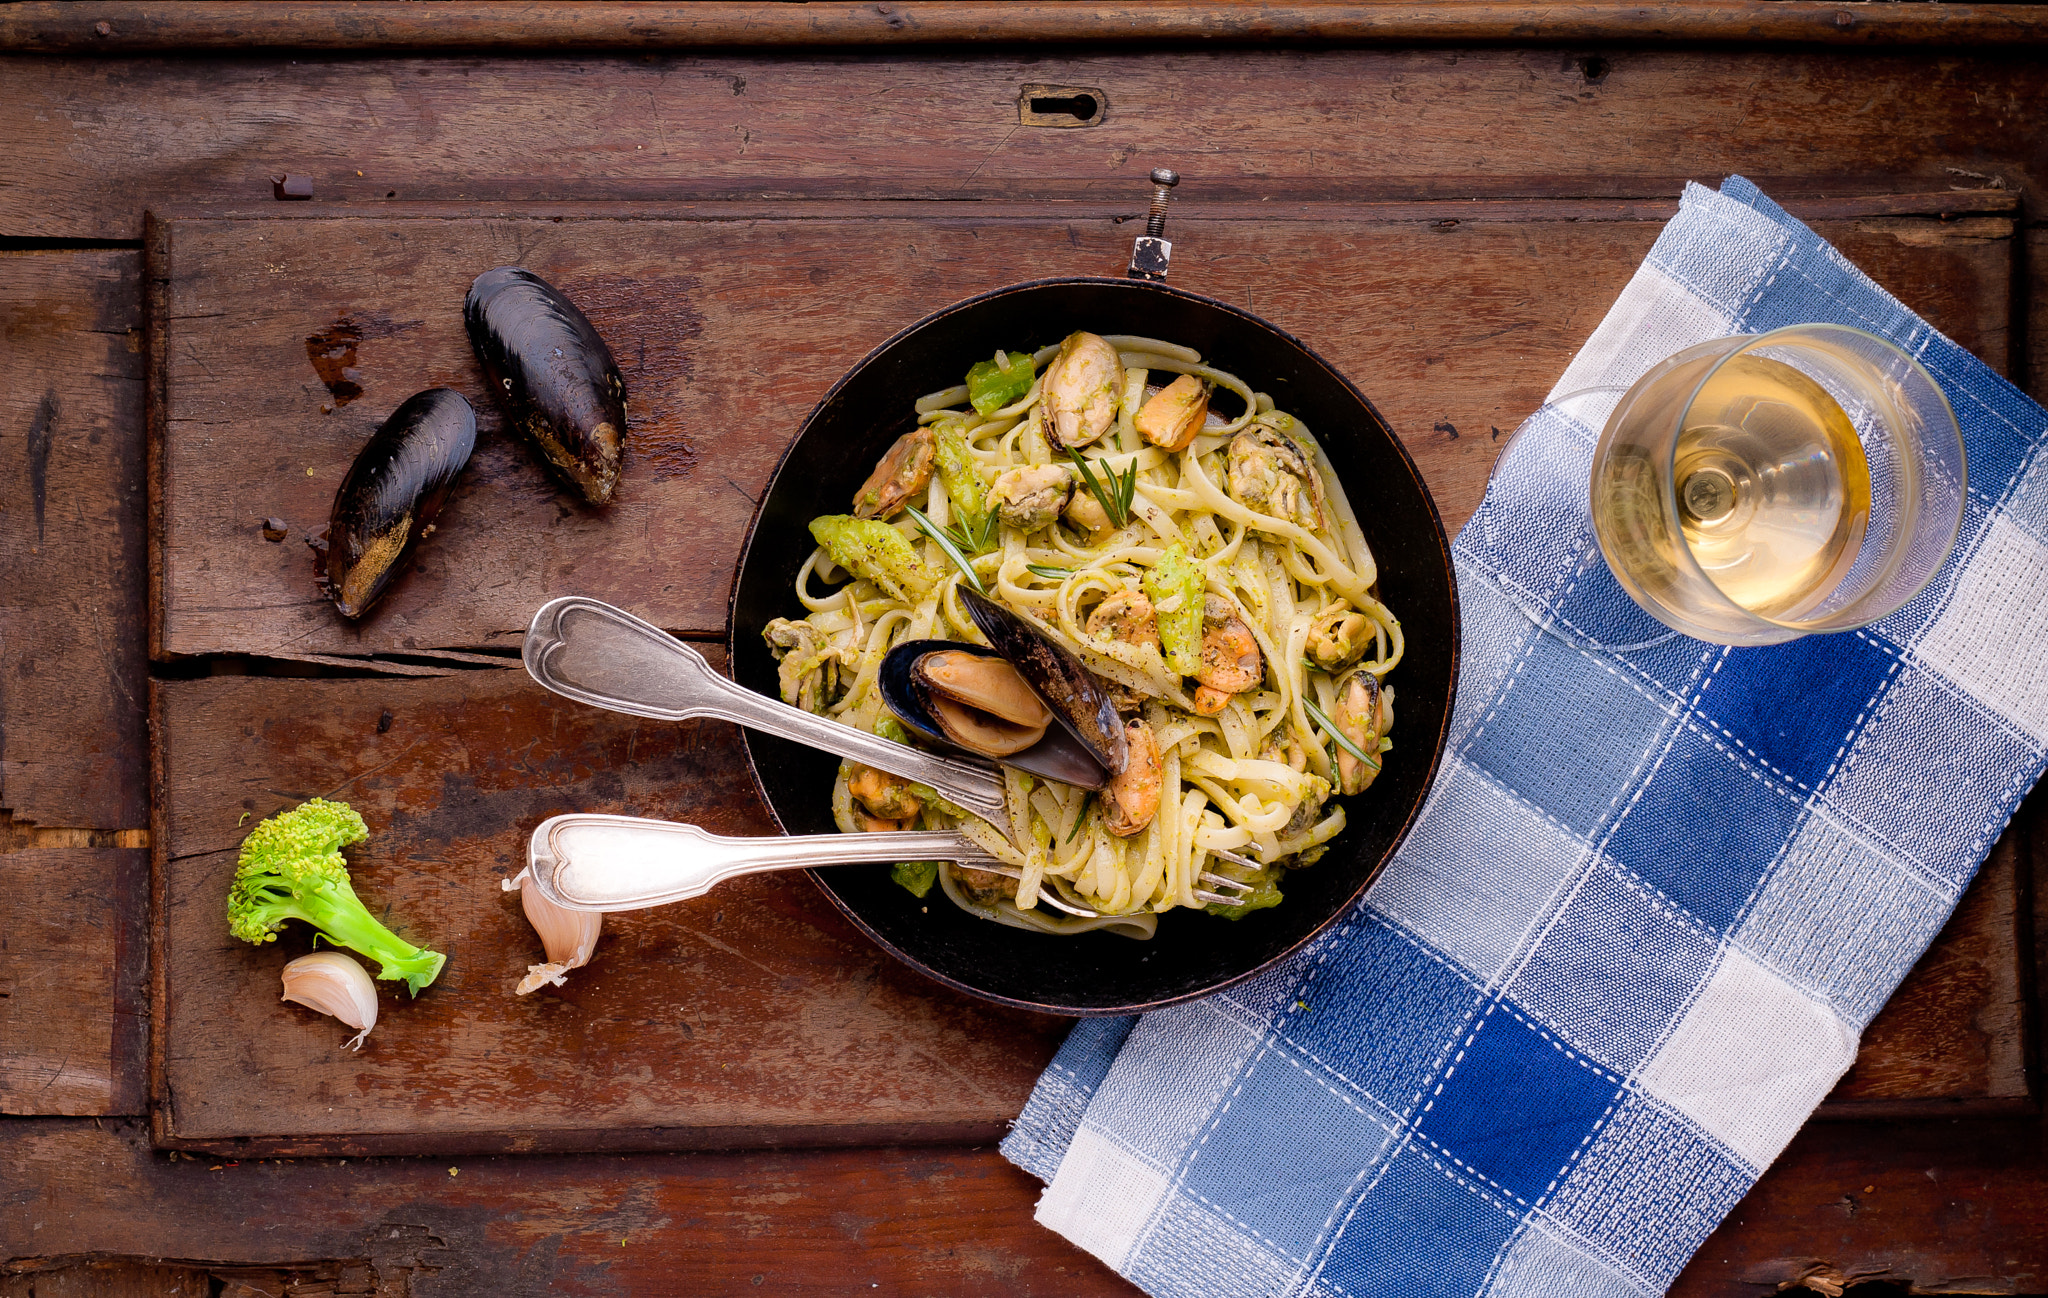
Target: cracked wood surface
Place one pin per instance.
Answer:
(1454, 327)
(383, 25)
(74, 955)
(1959, 1208)
(755, 1015)
(71, 540)
(1951, 1206)
(106, 139)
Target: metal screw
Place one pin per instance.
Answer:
(1163, 182)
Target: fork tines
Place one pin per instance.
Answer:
(1239, 891)
(1047, 894)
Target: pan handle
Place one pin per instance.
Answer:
(1152, 252)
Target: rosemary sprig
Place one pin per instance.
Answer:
(1080, 819)
(946, 542)
(1315, 714)
(1116, 498)
(1048, 572)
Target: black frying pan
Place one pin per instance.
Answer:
(1194, 953)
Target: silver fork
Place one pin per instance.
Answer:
(589, 651)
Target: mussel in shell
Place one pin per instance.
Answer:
(1078, 700)
(1026, 702)
(391, 496)
(967, 698)
(554, 376)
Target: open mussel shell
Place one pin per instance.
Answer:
(1078, 701)
(556, 379)
(924, 710)
(391, 496)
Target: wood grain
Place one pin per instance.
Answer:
(71, 540)
(754, 1015)
(728, 331)
(1957, 1208)
(105, 139)
(236, 25)
(73, 956)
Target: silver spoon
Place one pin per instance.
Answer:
(587, 650)
(604, 863)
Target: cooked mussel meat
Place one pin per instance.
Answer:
(1002, 702)
(1030, 496)
(1175, 413)
(391, 496)
(556, 379)
(965, 697)
(1077, 395)
(1339, 638)
(1364, 711)
(903, 471)
(980, 702)
(1271, 473)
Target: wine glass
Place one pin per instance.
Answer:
(1753, 489)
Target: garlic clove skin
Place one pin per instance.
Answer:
(568, 935)
(335, 985)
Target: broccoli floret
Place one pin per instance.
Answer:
(291, 868)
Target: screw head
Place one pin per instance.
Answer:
(1164, 176)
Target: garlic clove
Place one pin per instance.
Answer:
(568, 935)
(335, 985)
(540, 975)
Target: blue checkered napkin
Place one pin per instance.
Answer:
(1653, 900)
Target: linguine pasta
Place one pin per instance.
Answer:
(1284, 711)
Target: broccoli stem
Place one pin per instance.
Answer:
(341, 918)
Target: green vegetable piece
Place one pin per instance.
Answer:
(1264, 893)
(966, 488)
(917, 876)
(873, 549)
(990, 387)
(1174, 585)
(889, 727)
(291, 868)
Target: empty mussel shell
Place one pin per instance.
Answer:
(554, 376)
(391, 496)
(934, 689)
(1078, 700)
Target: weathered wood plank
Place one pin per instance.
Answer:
(755, 1015)
(1947, 1207)
(73, 957)
(370, 25)
(729, 331)
(71, 539)
(105, 139)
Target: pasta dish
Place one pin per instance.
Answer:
(1204, 566)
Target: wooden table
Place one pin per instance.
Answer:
(741, 1092)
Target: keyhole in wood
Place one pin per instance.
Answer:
(1060, 107)
(1080, 107)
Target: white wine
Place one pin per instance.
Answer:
(1773, 487)
(1736, 502)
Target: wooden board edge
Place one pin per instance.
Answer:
(1654, 207)
(626, 1140)
(159, 1097)
(1927, 1110)
(386, 25)
(156, 281)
